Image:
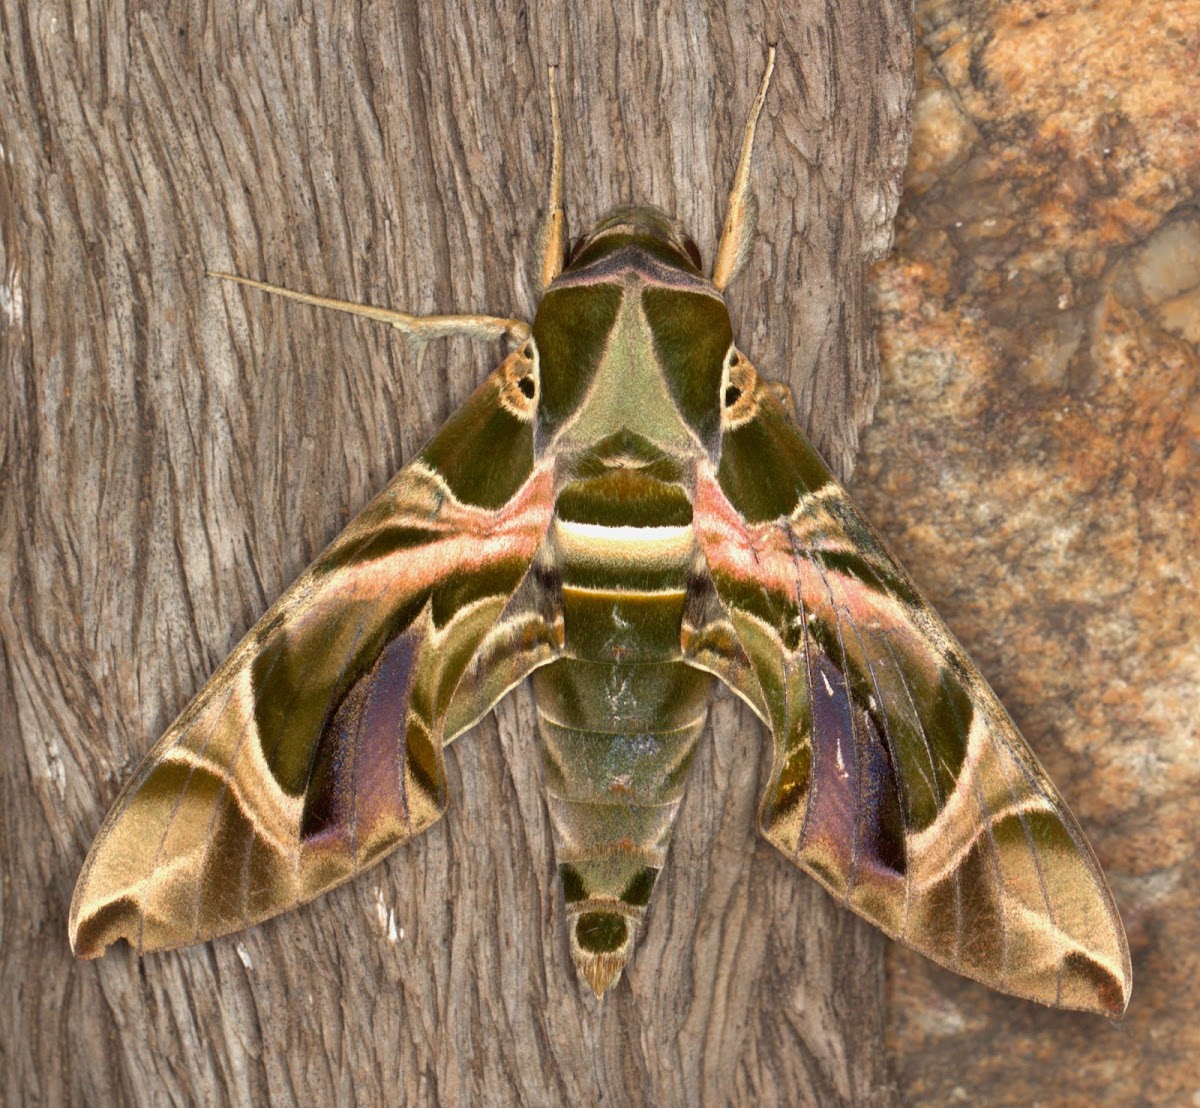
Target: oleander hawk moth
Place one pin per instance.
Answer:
(628, 514)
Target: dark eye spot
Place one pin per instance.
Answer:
(527, 387)
(732, 395)
(693, 251)
(527, 350)
(735, 358)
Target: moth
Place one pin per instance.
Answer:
(627, 513)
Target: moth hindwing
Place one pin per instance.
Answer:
(627, 512)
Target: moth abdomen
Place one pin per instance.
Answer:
(617, 743)
(620, 713)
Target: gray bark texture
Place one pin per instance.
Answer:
(175, 451)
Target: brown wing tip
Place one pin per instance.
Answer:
(1116, 1010)
(93, 932)
(1090, 986)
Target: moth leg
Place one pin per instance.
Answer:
(553, 234)
(419, 327)
(742, 213)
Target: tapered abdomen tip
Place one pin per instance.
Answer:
(600, 971)
(601, 944)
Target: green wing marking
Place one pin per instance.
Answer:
(899, 781)
(317, 746)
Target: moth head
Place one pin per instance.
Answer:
(647, 227)
(632, 339)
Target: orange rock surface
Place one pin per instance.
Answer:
(1035, 461)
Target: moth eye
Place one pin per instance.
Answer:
(527, 387)
(740, 390)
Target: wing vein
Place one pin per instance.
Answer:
(994, 855)
(813, 776)
(177, 803)
(1037, 865)
(935, 786)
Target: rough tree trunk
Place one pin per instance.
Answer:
(175, 452)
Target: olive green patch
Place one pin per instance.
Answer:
(625, 498)
(381, 543)
(424, 761)
(1049, 833)
(572, 882)
(455, 593)
(947, 723)
(692, 334)
(601, 932)
(571, 328)
(484, 452)
(767, 465)
(291, 704)
(877, 577)
(604, 626)
(626, 450)
(914, 771)
(792, 785)
(637, 892)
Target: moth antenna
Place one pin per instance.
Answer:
(742, 214)
(420, 328)
(553, 235)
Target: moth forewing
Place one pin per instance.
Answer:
(899, 781)
(626, 510)
(317, 746)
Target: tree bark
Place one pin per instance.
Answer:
(176, 451)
